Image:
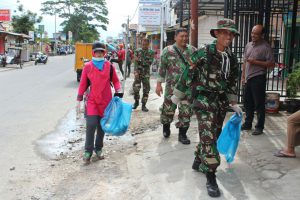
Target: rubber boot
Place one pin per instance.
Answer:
(182, 136)
(136, 104)
(196, 164)
(87, 158)
(166, 130)
(144, 108)
(211, 185)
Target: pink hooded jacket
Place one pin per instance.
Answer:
(100, 91)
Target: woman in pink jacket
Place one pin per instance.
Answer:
(97, 74)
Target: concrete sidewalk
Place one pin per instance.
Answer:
(165, 172)
(16, 66)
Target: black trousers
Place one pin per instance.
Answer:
(128, 65)
(120, 63)
(93, 123)
(254, 100)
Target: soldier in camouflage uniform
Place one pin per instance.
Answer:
(142, 62)
(210, 85)
(173, 62)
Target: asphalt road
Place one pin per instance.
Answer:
(33, 100)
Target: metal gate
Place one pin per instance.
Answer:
(279, 19)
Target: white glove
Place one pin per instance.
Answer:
(78, 109)
(175, 99)
(237, 109)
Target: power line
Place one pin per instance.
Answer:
(134, 13)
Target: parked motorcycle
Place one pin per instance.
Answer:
(3, 60)
(112, 57)
(62, 51)
(41, 58)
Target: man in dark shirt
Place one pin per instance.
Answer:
(258, 57)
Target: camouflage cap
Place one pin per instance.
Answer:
(227, 24)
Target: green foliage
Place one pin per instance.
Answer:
(81, 30)
(82, 17)
(293, 83)
(24, 21)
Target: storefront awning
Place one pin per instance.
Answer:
(21, 35)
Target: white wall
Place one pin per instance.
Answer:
(205, 23)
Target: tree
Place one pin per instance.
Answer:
(81, 30)
(25, 20)
(82, 17)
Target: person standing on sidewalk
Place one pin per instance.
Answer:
(121, 58)
(142, 62)
(210, 85)
(96, 75)
(130, 56)
(258, 57)
(174, 60)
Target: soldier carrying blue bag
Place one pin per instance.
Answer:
(210, 86)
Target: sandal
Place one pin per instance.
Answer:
(281, 154)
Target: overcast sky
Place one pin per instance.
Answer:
(118, 12)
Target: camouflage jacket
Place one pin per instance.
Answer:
(171, 65)
(143, 60)
(206, 82)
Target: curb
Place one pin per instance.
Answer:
(16, 66)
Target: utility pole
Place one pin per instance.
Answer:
(181, 13)
(55, 51)
(194, 23)
(162, 28)
(41, 37)
(126, 35)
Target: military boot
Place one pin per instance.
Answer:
(182, 136)
(211, 185)
(144, 108)
(136, 104)
(196, 164)
(166, 130)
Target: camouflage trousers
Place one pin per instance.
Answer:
(137, 84)
(209, 127)
(168, 110)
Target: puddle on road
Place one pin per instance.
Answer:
(67, 137)
(70, 136)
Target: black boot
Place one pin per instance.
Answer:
(211, 185)
(166, 130)
(196, 164)
(182, 136)
(136, 104)
(144, 108)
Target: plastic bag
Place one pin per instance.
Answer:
(116, 117)
(229, 139)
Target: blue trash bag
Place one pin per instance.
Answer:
(116, 117)
(229, 139)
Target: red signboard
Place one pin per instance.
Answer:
(4, 15)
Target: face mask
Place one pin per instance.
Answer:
(97, 59)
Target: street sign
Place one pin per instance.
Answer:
(70, 35)
(41, 28)
(4, 15)
(150, 1)
(149, 15)
(31, 34)
(63, 36)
